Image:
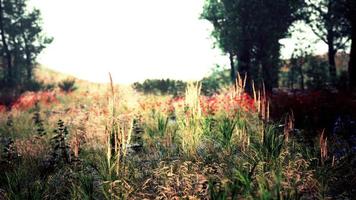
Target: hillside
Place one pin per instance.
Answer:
(50, 76)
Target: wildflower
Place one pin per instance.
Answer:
(2, 108)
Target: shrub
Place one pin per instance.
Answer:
(218, 79)
(67, 85)
(60, 146)
(36, 85)
(8, 96)
(161, 87)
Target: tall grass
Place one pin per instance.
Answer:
(233, 152)
(118, 133)
(189, 119)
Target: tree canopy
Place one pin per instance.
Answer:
(249, 31)
(327, 20)
(22, 40)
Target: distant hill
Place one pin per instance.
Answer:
(50, 76)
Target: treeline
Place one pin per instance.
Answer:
(161, 87)
(312, 72)
(250, 33)
(307, 72)
(218, 79)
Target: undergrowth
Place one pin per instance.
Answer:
(123, 145)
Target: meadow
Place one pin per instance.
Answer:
(106, 141)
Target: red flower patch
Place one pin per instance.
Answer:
(29, 99)
(2, 108)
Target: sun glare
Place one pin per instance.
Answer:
(134, 40)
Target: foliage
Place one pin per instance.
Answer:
(160, 128)
(161, 87)
(22, 40)
(8, 96)
(226, 129)
(316, 72)
(306, 72)
(249, 32)
(189, 119)
(35, 85)
(347, 9)
(328, 22)
(67, 85)
(39, 124)
(61, 149)
(312, 109)
(270, 148)
(217, 80)
(211, 142)
(197, 147)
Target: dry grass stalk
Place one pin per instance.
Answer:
(243, 137)
(111, 85)
(288, 126)
(119, 130)
(189, 118)
(254, 91)
(261, 102)
(323, 143)
(76, 146)
(240, 85)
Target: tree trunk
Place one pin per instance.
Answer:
(8, 78)
(244, 59)
(301, 73)
(244, 62)
(352, 63)
(269, 66)
(291, 77)
(232, 70)
(267, 78)
(331, 57)
(330, 42)
(29, 66)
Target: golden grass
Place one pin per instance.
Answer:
(189, 119)
(102, 120)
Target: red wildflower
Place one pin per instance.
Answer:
(2, 108)
(29, 99)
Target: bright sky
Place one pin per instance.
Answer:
(132, 39)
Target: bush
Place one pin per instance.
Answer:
(8, 96)
(218, 79)
(35, 86)
(67, 85)
(161, 87)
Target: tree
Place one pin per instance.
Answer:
(349, 8)
(327, 21)
(224, 31)
(305, 70)
(272, 21)
(21, 41)
(5, 48)
(249, 31)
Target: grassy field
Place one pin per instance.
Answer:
(106, 141)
